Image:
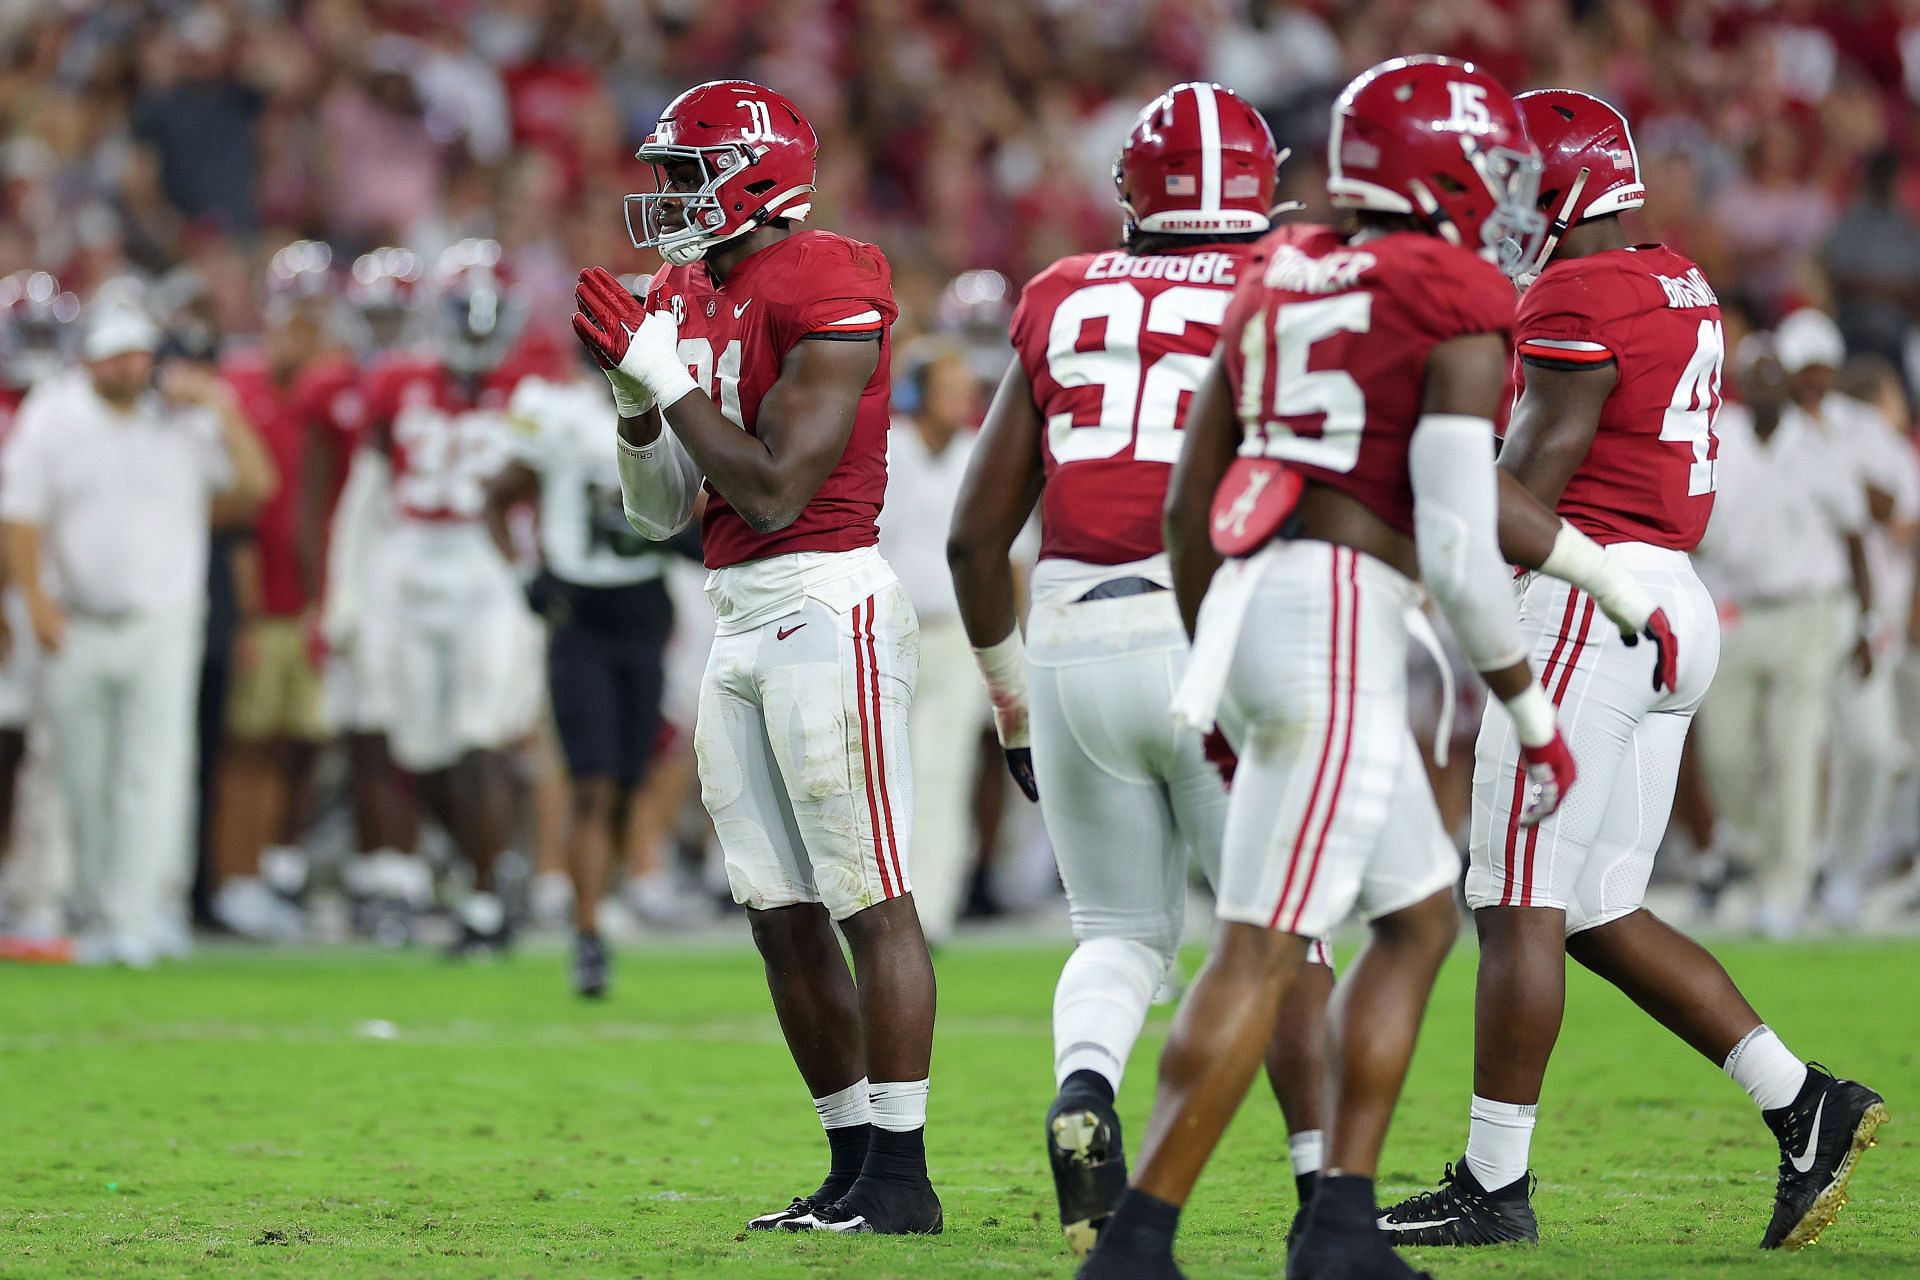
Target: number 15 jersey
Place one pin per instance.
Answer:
(1114, 345)
(1649, 474)
(1326, 351)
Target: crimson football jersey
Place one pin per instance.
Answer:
(1114, 345)
(1326, 350)
(1649, 475)
(272, 407)
(447, 436)
(734, 336)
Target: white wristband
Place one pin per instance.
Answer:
(1533, 716)
(669, 385)
(1004, 667)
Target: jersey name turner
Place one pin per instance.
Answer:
(1326, 343)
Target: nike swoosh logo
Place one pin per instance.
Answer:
(1804, 1161)
(1388, 1224)
(784, 632)
(742, 307)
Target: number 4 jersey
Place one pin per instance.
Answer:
(1114, 344)
(734, 338)
(1649, 312)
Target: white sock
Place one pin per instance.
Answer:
(1499, 1138)
(845, 1108)
(1100, 1005)
(1306, 1149)
(899, 1106)
(1763, 1066)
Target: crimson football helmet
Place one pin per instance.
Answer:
(727, 156)
(1199, 161)
(479, 313)
(1589, 168)
(1441, 141)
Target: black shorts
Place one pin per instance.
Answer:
(604, 676)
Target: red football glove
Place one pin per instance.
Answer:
(1550, 775)
(1666, 649)
(1220, 753)
(608, 318)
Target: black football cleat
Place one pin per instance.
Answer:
(1462, 1212)
(1089, 1164)
(592, 966)
(1822, 1134)
(802, 1206)
(877, 1206)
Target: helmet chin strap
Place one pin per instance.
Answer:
(1443, 224)
(1562, 220)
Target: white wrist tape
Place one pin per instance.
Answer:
(630, 397)
(1579, 560)
(1533, 717)
(653, 359)
(1004, 667)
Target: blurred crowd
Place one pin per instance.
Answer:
(278, 185)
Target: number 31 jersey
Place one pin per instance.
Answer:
(1114, 345)
(1648, 476)
(734, 338)
(1326, 351)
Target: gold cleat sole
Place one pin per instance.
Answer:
(1827, 1205)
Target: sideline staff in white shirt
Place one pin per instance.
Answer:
(104, 495)
(1784, 545)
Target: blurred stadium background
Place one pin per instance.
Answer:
(168, 154)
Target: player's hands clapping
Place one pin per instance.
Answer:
(638, 350)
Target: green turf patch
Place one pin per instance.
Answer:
(370, 1113)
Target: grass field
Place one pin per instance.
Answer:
(380, 1114)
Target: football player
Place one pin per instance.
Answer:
(1620, 352)
(37, 339)
(1357, 378)
(345, 516)
(274, 721)
(1110, 347)
(601, 589)
(758, 364)
(448, 637)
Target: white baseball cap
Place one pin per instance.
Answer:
(115, 331)
(1809, 337)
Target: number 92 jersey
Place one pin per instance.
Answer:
(1326, 349)
(734, 336)
(1648, 476)
(1114, 344)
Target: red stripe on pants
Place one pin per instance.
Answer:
(1520, 765)
(1346, 740)
(1560, 692)
(880, 748)
(866, 749)
(1326, 746)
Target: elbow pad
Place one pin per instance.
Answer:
(1455, 518)
(658, 485)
